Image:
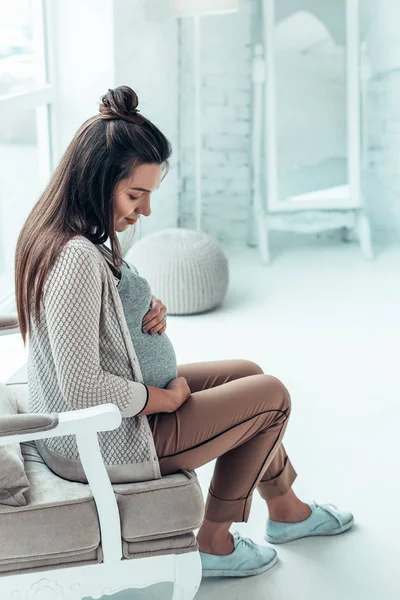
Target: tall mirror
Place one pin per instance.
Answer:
(311, 115)
(308, 128)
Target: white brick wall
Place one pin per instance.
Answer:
(226, 97)
(383, 173)
(226, 89)
(383, 166)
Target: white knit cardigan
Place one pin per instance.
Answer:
(81, 355)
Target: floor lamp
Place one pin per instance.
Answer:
(196, 9)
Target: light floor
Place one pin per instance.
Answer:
(328, 324)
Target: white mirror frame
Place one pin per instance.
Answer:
(336, 208)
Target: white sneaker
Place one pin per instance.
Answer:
(246, 559)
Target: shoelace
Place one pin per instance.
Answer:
(331, 509)
(245, 541)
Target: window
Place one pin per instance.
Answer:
(26, 96)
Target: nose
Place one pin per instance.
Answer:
(144, 207)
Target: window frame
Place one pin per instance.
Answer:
(41, 98)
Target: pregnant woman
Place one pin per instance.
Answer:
(97, 335)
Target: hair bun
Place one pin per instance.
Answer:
(119, 103)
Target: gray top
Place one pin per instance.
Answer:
(155, 353)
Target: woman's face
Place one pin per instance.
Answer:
(132, 195)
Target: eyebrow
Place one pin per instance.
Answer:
(139, 189)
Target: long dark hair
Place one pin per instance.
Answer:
(79, 197)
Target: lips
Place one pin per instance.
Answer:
(131, 221)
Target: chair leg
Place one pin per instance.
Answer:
(251, 235)
(364, 235)
(263, 239)
(187, 576)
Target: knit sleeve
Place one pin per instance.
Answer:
(72, 304)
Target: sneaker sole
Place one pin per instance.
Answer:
(337, 531)
(232, 573)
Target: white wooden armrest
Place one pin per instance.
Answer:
(85, 421)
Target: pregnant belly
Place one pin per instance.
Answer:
(157, 359)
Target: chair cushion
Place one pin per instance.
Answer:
(13, 480)
(177, 544)
(157, 517)
(160, 508)
(38, 530)
(27, 423)
(78, 559)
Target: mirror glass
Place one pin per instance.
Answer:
(310, 71)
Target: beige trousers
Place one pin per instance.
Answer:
(236, 415)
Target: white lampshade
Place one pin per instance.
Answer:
(191, 8)
(159, 10)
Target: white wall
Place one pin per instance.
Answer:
(146, 59)
(100, 44)
(83, 58)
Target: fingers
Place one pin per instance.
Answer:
(154, 325)
(153, 317)
(159, 327)
(150, 319)
(162, 330)
(147, 327)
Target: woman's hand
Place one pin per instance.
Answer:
(155, 320)
(167, 400)
(181, 392)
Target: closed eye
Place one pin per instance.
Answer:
(133, 197)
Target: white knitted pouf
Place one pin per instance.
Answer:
(186, 269)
